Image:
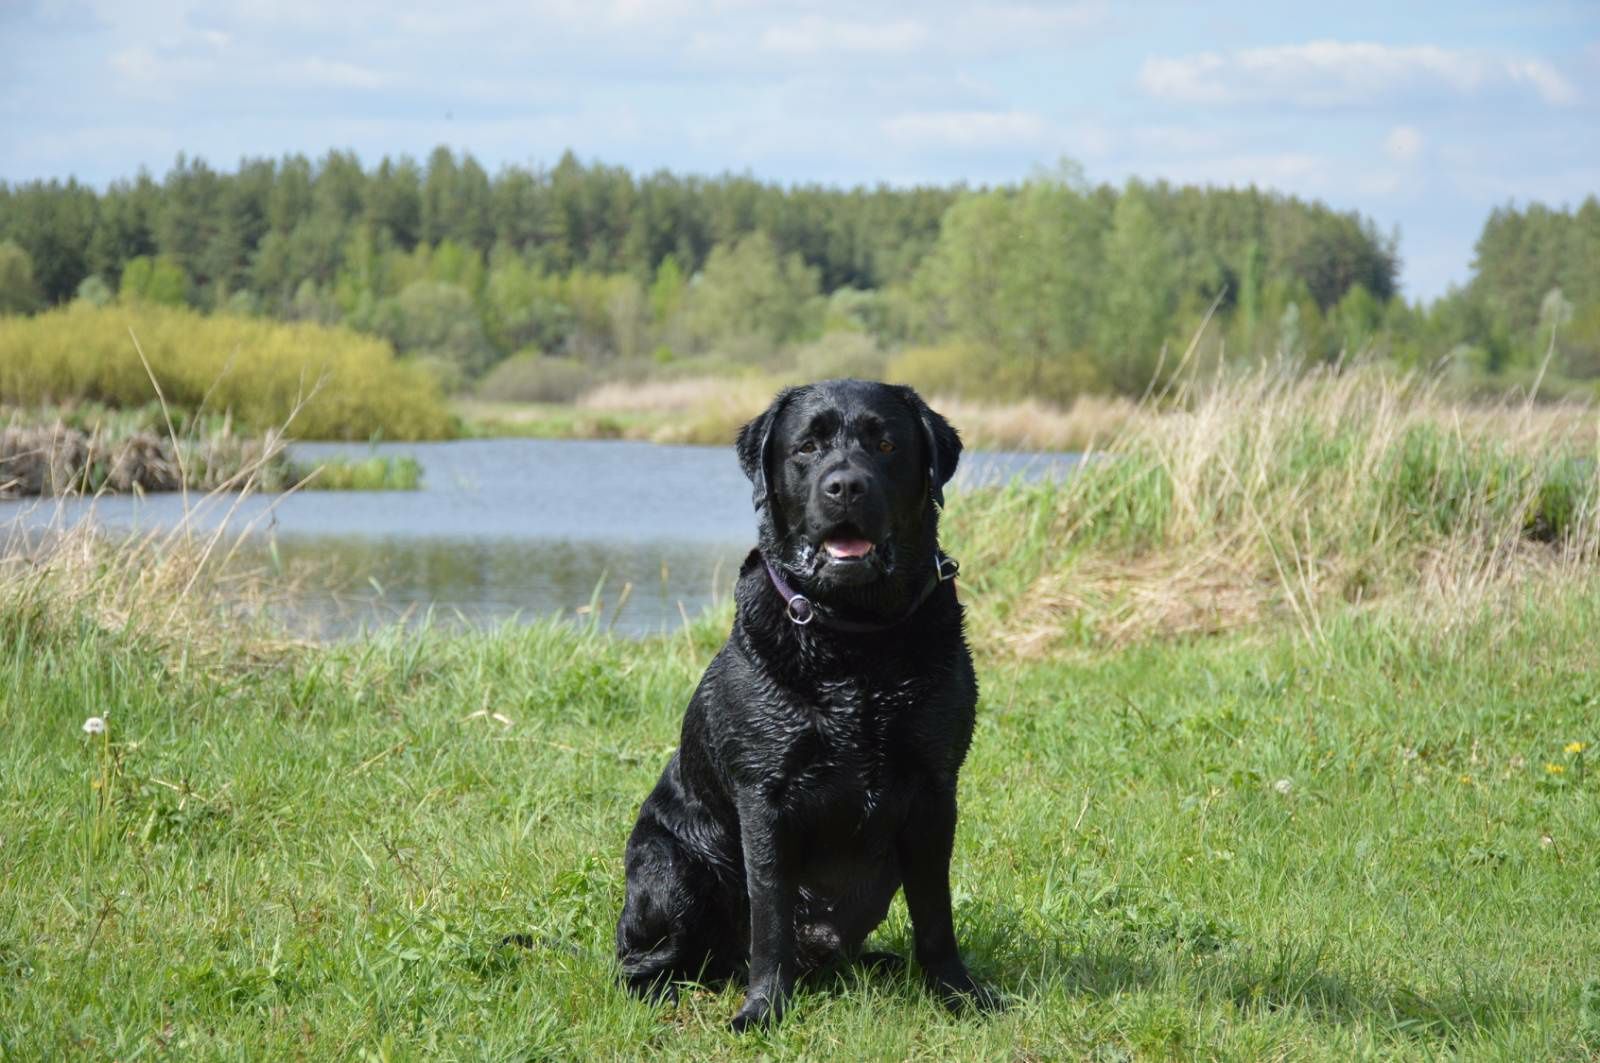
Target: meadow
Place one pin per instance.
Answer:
(1284, 751)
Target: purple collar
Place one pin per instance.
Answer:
(801, 611)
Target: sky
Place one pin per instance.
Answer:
(1421, 116)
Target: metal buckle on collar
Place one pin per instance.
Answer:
(947, 567)
(800, 611)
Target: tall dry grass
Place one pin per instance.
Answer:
(704, 410)
(181, 591)
(1280, 496)
(1091, 422)
(710, 410)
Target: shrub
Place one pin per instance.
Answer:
(841, 354)
(95, 291)
(256, 370)
(532, 377)
(943, 370)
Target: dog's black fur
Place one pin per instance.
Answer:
(817, 769)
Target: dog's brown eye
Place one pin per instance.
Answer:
(886, 446)
(808, 447)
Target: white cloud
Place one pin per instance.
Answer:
(1337, 73)
(967, 129)
(331, 73)
(812, 35)
(1543, 77)
(1403, 144)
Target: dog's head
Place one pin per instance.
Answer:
(848, 477)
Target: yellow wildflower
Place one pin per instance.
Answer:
(1556, 769)
(1576, 747)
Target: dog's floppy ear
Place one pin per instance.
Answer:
(754, 446)
(942, 441)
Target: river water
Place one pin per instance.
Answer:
(501, 529)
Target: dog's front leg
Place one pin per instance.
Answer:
(924, 847)
(769, 869)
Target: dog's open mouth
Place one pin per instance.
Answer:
(845, 543)
(847, 549)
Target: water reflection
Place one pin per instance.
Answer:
(344, 583)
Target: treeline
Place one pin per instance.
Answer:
(535, 283)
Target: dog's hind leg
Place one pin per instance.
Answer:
(675, 925)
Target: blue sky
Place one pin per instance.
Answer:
(1421, 116)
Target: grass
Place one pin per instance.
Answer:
(1322, 825)
(1243, 847)
(376, 472)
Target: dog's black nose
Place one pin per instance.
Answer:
(844, 485)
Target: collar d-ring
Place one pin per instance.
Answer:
(800, 611)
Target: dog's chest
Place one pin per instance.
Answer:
(844, 756)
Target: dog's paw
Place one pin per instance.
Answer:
(961, 994)
(979, 998)
(758, 1011)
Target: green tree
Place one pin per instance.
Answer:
(748, 291)
(1141, 293)
(19, 292)
(154, 280)
(436, 320)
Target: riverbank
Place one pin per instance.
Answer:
(93, 450)
(709, 411)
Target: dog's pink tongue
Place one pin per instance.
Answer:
(847, 547)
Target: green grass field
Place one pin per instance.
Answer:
(1282, 753)
(1242, 847)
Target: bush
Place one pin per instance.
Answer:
(256, 370)
(532, 377)
(95, 291)
(949, 369)
(841, 354)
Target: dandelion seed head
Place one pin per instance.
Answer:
(1284, 786)
(94, 725)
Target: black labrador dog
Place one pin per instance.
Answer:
(816, 774)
